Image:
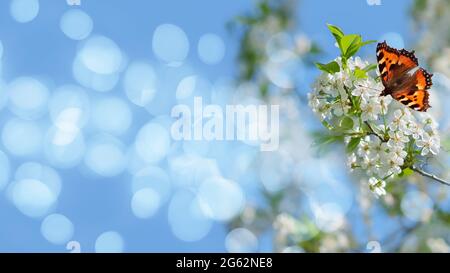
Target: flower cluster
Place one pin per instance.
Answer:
(383, 137)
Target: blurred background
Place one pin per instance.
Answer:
(87, 163)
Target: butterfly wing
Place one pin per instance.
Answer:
(414, 91)
(394, 63)
(394, 66)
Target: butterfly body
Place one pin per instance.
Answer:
(402, 77)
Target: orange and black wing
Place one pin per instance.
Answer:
(394, 63)
(414, 93)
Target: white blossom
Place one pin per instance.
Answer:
(371, 109)
(438, 245)
(377, 186)
(428, 144)
(397, 139)
(397, 121)
(352, 161)
(285, 224)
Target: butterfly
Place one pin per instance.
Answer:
(402, 79)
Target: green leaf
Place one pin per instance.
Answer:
(349, 40)
(331, 67)
(346, 123)
(418, 7)
(327, 125)
(370, 67)
(350, 44)
(321, 140)
(351, 146)
(264, 89)
(305, 229)
(356, 46)
(337, 32)
(264, 7)
(368, 42)
(315, 48)
(360, 73)
(406, 172)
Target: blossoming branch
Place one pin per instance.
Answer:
(384, 138)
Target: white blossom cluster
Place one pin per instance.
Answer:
(285, 225)
(290, 231)
(391, 136)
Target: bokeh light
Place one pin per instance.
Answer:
(165, 120)
(193, 86)
(285, 74)
(215, 194)
(63, 149)
(135, 162)
(76, 24)
(22, 137)
(187, 221)
(241, 240)
(140, 83)
(273, 173)
(24, 11)
(190, 170)
(28, 97)
(186, 87)
(92, 80)
(170, 44)
(211, 49)
(66, 126)
(57, 229)
(417, 206)
(5, 169)
(98, 63)
(32, 197)
(167, 81)
(293, 249)
(101, 55)
(278, 47)
(328, 216)
(43, 173)
(105, 109)
(145, 203)
(152, 142)
(155, 178)
(105, 155)
(69, 104)
(109, 242)
(197, 147)
(323, 181)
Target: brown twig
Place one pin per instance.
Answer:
(372, 132)
(431, 176)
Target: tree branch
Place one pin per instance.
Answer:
(372, 132)
(429, 175)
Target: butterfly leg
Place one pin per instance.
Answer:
(385, 92)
